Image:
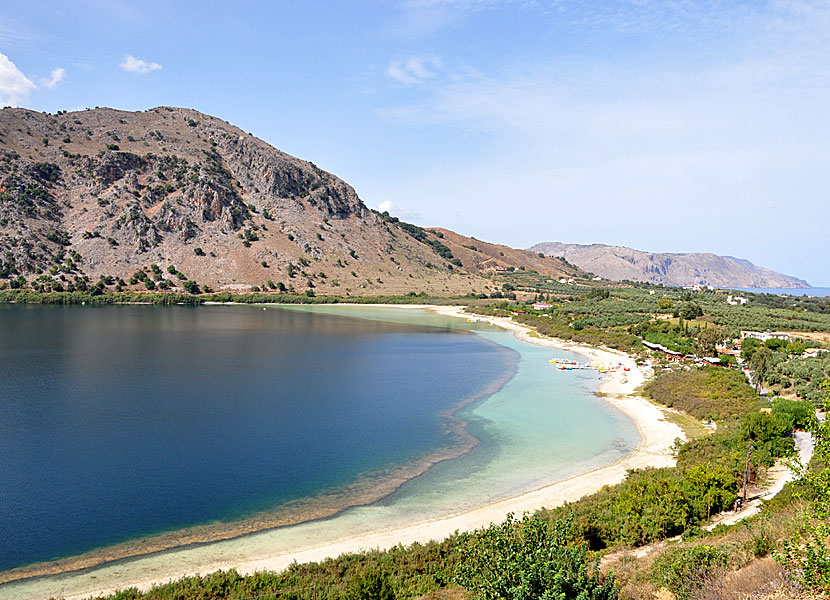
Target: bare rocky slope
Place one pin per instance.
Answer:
(170, 196)
(619, 263)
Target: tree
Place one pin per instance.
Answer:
(192, 287)
(775, 344)
(802, 412)
(760, 364)
(748, 348)
(690, 311)
(707, 340)
(665, 303)
(599, 294)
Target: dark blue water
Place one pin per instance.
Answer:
(119, 422)
(815, 291)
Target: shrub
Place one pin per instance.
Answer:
(802, 413)
(684, 570)
(518, 560)
(192, 287)
(372, 585)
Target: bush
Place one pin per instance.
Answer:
(192, 287)
(518, 560)
(684, 570)
(372, 585)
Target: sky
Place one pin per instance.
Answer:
(667, 126)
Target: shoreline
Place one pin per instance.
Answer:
(656, 433)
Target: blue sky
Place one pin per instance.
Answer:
(666, 126)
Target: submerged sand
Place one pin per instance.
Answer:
(657, 433)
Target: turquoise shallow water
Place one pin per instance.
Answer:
(543, 425)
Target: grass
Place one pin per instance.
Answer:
(693, 428)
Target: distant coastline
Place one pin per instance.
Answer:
(816, 292)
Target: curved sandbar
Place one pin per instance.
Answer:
(657, 436)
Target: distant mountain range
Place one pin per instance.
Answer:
(619, 263)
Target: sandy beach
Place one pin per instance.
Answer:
(618, 389)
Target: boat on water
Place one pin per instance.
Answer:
(572, 365)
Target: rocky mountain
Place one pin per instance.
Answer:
(169, 196)
(620, 263)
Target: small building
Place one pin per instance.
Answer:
(765, 335)
(736, 300)
(661, 348)
(542, 306)
(729, 350)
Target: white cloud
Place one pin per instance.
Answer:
(414, 70)
(397, 211)
(14, 85)
(55, 77)
(132, 64)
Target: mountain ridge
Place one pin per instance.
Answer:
(162, 197)
(619, 263)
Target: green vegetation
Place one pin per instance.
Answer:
(806, 554)
(422, 235)
(683, 570)
(710, 393)
(139, 297)
(518, 560)
(650, 505)
(561, 324)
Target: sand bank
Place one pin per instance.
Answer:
(617, 389)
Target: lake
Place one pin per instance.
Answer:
(124, 424)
